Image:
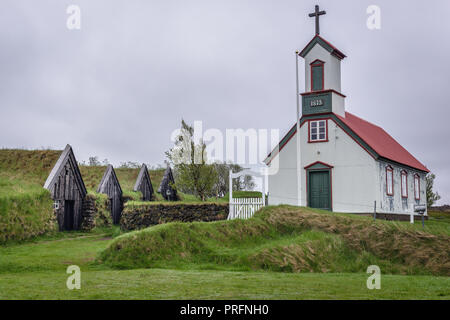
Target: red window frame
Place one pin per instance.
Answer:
(404, 174)
(391, 170)
(309, 130)
(317, 63)
(417, 178)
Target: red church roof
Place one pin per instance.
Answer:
(372, 135)
(381, 142)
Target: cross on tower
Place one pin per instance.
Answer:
(316, 14)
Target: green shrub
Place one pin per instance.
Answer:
(243, 194)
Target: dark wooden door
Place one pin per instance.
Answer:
(115, 209)
(146, 193)
(113, 212)
(319, 190)
(69, 213)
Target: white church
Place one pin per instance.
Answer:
(343, 163)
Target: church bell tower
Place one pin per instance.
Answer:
(322, 75)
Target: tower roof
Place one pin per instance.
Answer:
(325, 44)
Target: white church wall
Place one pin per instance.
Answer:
(283, 185)
(353, 173)
(338, 104)
(332, 68)
(396, 203)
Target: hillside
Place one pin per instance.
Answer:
(284, 238)
(27, 168)
(25, 207)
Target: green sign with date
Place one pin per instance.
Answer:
(316, 103)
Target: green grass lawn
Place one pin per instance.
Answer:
(176, 284)
(36, 270)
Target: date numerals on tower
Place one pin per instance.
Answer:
(316, 103)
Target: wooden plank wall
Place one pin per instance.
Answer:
(115, 197)
(145, 189)
(64, 189)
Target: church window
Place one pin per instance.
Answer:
(404, 184)
(417, 187)
(317, 75)
(318, 131)
(389, 181)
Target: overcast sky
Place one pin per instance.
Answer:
(118, 87)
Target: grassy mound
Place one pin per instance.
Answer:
(284, 239)
(25, 215)
(25, 207)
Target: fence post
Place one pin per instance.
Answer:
(230, 192)
(375, 210)
(264, 189)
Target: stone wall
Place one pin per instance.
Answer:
(88, 213)
(95, 212)
(137, 216)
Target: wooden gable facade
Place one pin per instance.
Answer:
(144, 184)
(110, 186)
(166, 187)
(67, 190)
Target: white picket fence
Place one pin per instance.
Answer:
(244, 208)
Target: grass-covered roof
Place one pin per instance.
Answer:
(22, 170)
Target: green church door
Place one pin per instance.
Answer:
(319, 190)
